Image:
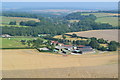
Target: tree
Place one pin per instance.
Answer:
(101, 40)
(22, 23)
(12, 23)
(29, 43)
(94, 44)
(37, 43)
(112, 47)
(52, 47)
(74, 35)
(63, 36)
(113, 43)
(73, 42)
(103, 48)
(93, 39)
(23, 42)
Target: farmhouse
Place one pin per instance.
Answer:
(5, 36)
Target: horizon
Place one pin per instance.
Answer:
(61, 5)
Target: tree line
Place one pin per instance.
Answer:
(53, 26)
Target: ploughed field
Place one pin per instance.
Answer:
(105, 34)
(29, 63)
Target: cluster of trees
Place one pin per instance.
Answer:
(13, 23)
(38, 43)
(29, 23)
(20, 14)
(78, 16)
(53, 26)
(111, 46)
(25, 23)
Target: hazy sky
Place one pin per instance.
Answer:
(60, 0)
(63, 5)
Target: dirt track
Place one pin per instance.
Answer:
(30, 63)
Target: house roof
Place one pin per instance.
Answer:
(43, 48)
(54, 41)
(68, 45)
(61, 43)
(81, 46)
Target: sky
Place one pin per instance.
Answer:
(60, 0)
(61, 5)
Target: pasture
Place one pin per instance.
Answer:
(6, 20)
(105, 18)
(111, 20)
(29, 63)
(13, 42)
(101, 14)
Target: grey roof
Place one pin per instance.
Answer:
(43, 48)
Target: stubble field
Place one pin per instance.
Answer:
(29, 63)
(105, 34)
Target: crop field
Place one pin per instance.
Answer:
(67, 37)
(12, 25)
(72, 21)
(105, 34)
(13, 42)
(6, 20)
(29, 63)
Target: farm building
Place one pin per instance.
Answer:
(67, 47)
(42, 35)
(86, 49)
(43, 49)
(5, 36)
(73, 49)
(54, 42)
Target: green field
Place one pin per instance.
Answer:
(6, 20)
(100, 14)
(13, 42)
(72, 21)
(111, 20)
(105, 18)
